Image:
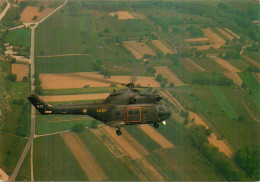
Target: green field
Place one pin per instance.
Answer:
(53, 161)
(249, 80)
(55, 123)
(220, 112)
(19, 37)
(114, 168)
(68, 64)
(24, 173)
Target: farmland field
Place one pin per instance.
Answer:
(19, 37)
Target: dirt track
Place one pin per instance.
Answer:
(61, 98)
(138, 49)
(161, 47)
(84, 157)
(81, 79)
(167, 73)
(222, 146)
(61, 55)
(156, 136)
(21, 70)
(191, 65)
(202, 39)
(29, 12)
(123, 15)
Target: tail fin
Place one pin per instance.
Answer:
(39, 104)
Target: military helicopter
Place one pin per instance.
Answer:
(123, 107)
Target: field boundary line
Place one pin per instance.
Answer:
(62, 55)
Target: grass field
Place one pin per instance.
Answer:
(219, 112)
(53, 161)
(113, 167)
(19, 37)
(24, 173)
(249, 80)
(56, 123)
(253, 55)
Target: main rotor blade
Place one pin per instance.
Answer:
(86, 77)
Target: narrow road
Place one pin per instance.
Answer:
(5, 10)
(32, 134)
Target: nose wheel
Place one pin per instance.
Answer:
(118, 132)
(156, 125)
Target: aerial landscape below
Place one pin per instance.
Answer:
(137, 90)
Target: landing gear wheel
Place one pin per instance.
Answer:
(156, 125)
(118, 132)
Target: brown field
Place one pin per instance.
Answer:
(122, 15)
(3, 176)
(225, 33)
(61, 98)
(202, 39)
(29, 12)
(234, 76)
(79, 80)
(191, 65)
(138, 49)
(84, 157)
(222, 146)
(232, 33)
(156, 136)
(167, 73)
(231, 70)
(215, 40)
(213, 36)
(226, 64)
(161, 47)
(20, 70)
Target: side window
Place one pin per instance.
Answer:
(130, 112)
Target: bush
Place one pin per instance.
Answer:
(78, 127)
(12, 77)
(94, 124)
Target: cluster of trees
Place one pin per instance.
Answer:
(194, 31)
(199, 137)
(79, 127)
(163, 81)
(212, 78)
(253, 69)
(23, 123)
(232, 55)
(248, 158)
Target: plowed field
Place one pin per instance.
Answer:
(232, 33)
(197, 39)
(122, 15)
(138, 49)
(167, 73)
(92, 79)
(191, 65)
(84, 157)
(29, 12)
(213, 36)
(225, 33)
(161, 47)
(20, 70)
(231, 70)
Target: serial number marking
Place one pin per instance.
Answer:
(101, 110)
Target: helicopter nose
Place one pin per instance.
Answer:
(167, 114)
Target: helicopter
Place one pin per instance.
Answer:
(123, 107)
